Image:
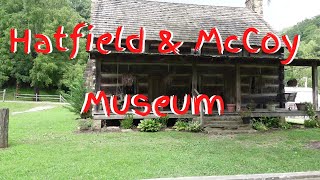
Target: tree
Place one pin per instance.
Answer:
(83, 7)
(40, 16)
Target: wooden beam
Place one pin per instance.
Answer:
(4, 125)
(98, 75)
(194, 79)
(145, 63)
(257, 113)
(98, 80)
(315, 85)
(281, 87)
(238, 88)
(99, 116)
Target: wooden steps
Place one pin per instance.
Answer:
(217, 131)
(226, 125)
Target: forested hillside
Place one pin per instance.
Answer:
(55, 70)
(309, 30)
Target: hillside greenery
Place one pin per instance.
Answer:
(309, 30)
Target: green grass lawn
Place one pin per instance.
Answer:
(44, 145)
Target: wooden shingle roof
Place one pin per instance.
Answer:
(184, 20)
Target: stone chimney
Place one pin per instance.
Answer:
(255, 5)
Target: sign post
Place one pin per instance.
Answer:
(4, 126)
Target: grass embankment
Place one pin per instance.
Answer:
(44, 145)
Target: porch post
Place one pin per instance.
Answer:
(195, 89)
(281, 96)
(238, 88)
(315, 85)
(194, 78)
(98, 78)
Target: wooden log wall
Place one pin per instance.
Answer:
(259, 84)
(212, 79)
(174, 79)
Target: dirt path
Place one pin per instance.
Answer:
(40, 108)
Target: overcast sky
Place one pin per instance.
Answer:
(279, 13)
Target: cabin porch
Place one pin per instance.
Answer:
(239, 80)
(230, 122)
(280, 112)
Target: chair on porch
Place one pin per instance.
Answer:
(290, 100)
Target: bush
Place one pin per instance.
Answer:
(127, 122)
(85, 124)
(162, 120)
(310, 110)
(149, 125)
(260, 126)
(194, 127)
(75, 97)
(285, 125)
(270, 122)
(311, 123)
(180, 126)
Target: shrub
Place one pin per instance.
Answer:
(310, 110)
(75, 97)
(311, 123)
(85, 124)
(260, 126)
(127, 122)
(149, 125)
(285, 125)
(194, 127)
(162, 120)
(180, 126)
(270, 122)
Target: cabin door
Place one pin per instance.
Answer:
(155, 87)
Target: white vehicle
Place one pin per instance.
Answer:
(303, 94)
(297, 95)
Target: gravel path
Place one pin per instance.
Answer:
(41, 108)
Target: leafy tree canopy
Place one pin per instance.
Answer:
(40, 16)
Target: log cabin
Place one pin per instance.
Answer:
(241, 79)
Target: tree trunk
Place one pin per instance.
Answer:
(4, 125)
(17, 87)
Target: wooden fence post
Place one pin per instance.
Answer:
(4, 95)
(4, 125)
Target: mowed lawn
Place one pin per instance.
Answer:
(44, 145)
